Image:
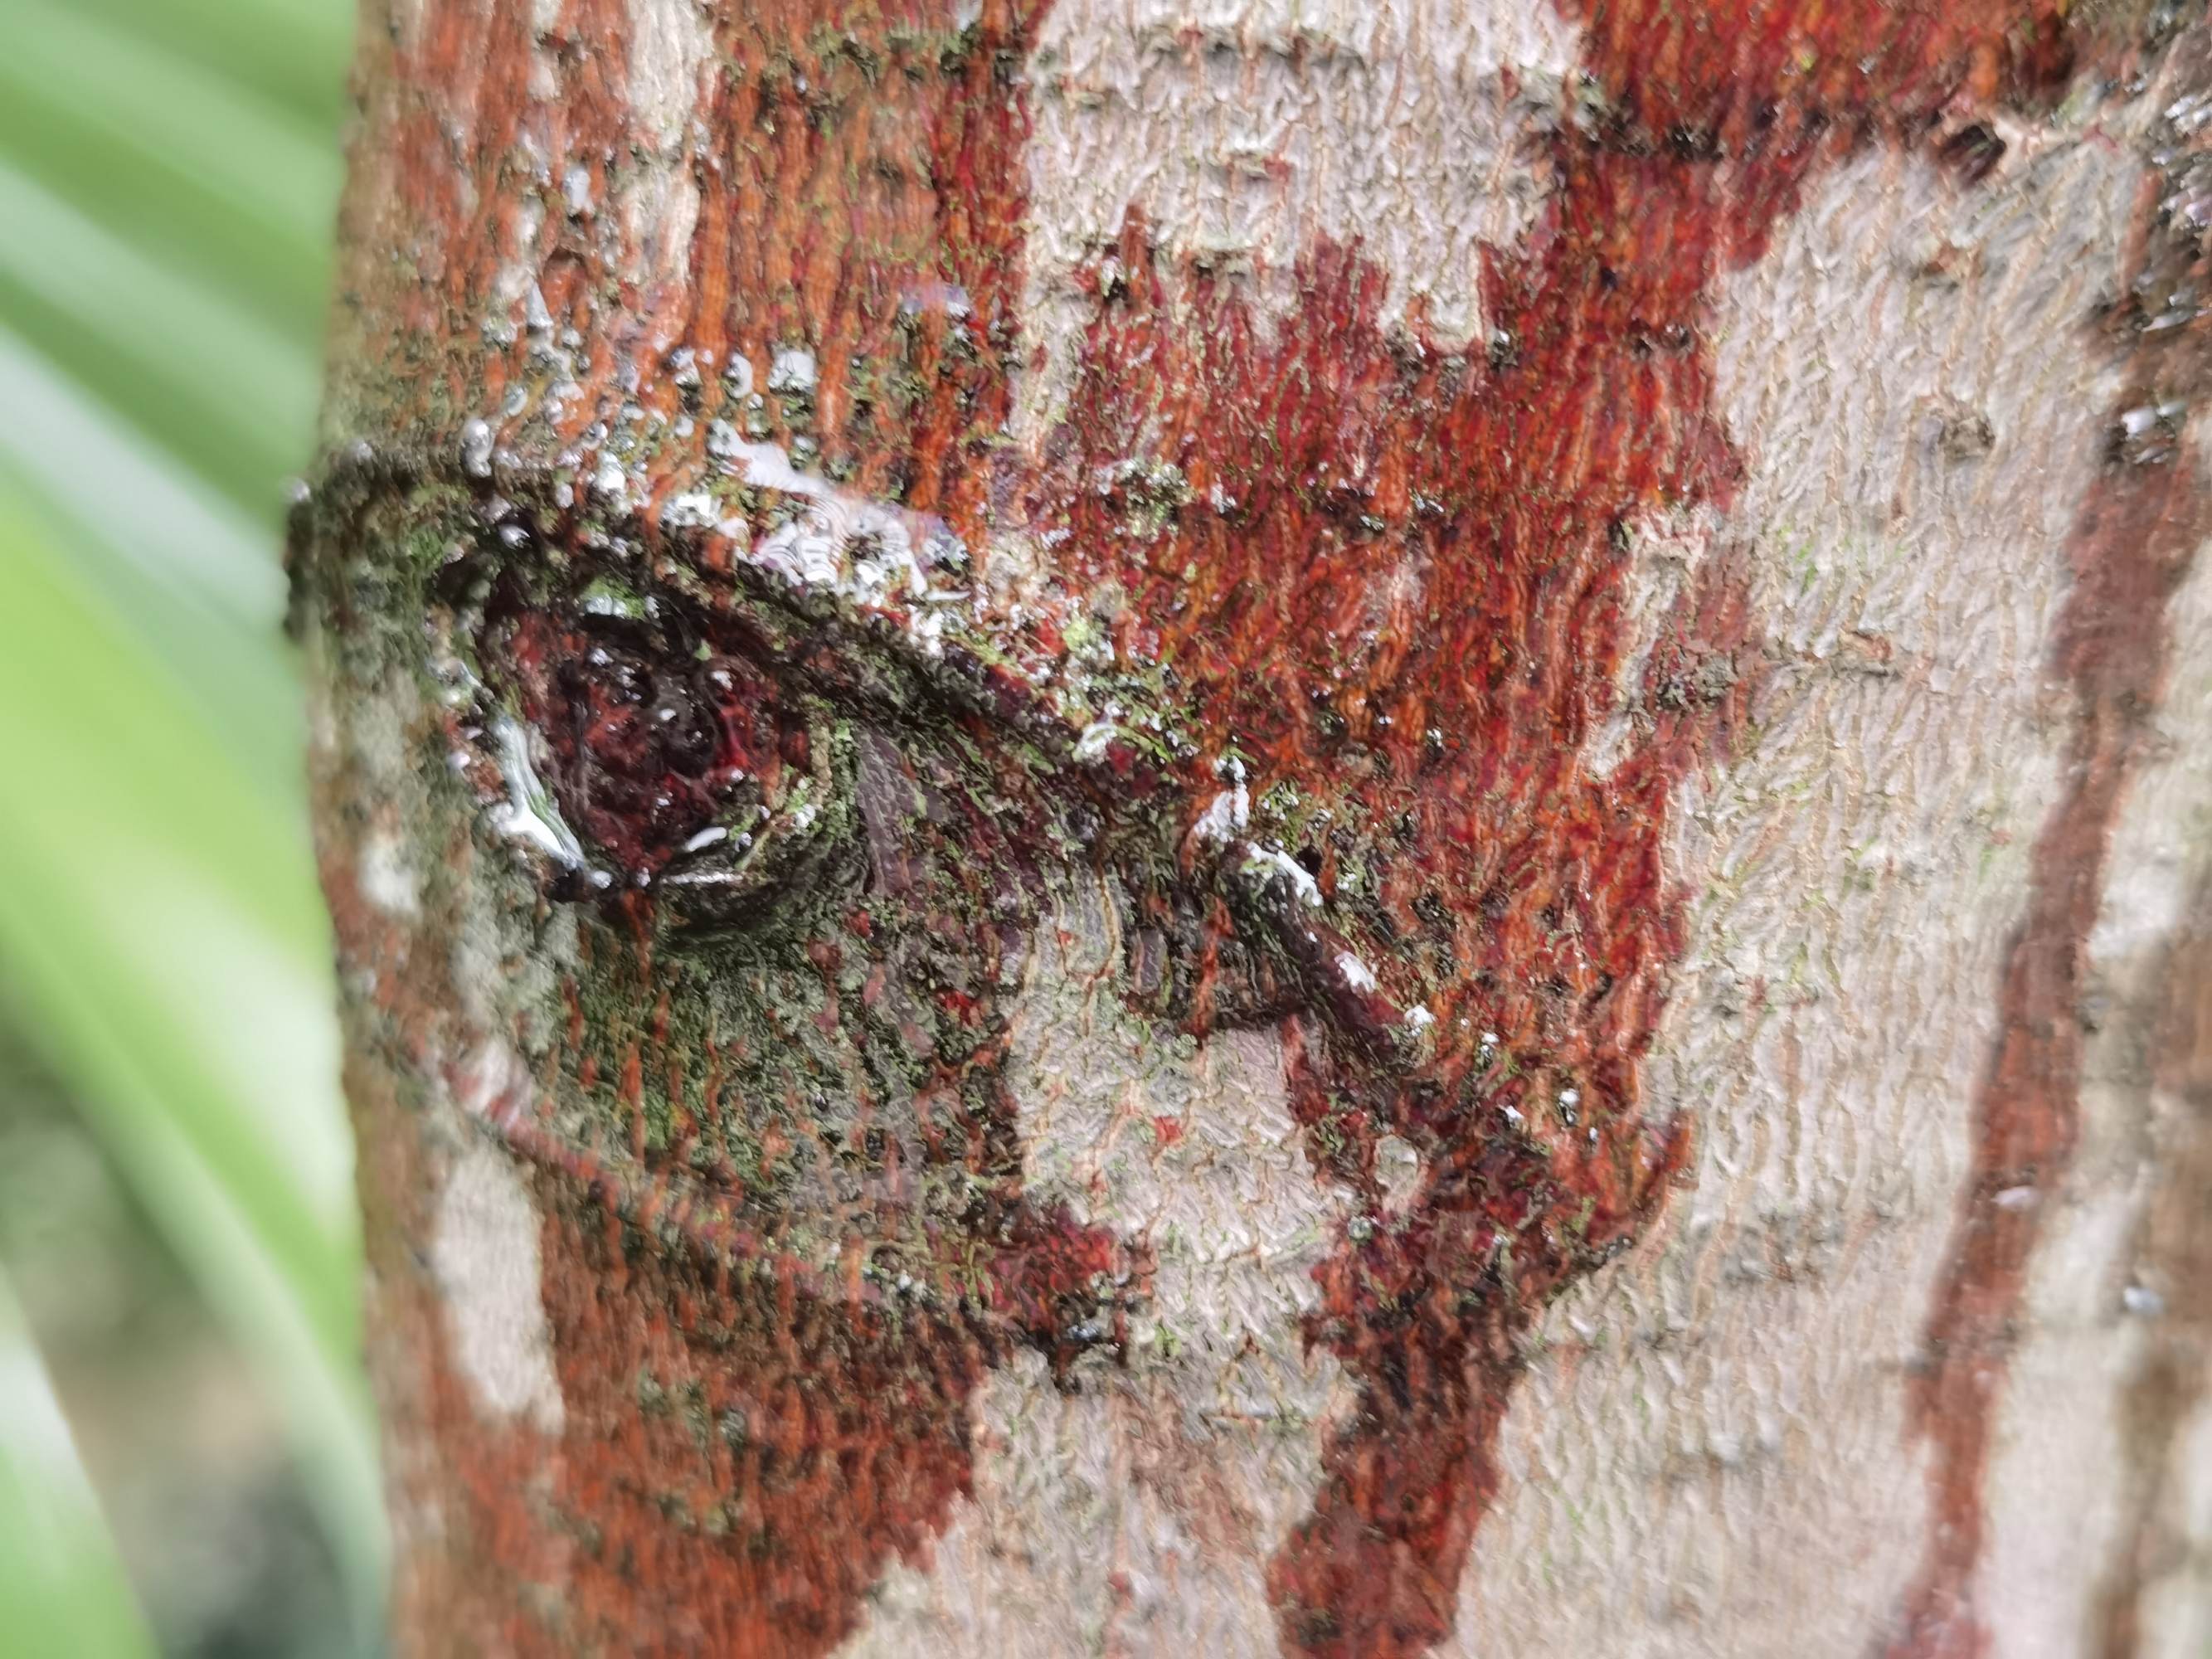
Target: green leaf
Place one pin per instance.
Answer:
(164, 556)
(195, 370)
(62, 1594)
(167, 955)
(292, 52)
(148, 143)
(168, 173)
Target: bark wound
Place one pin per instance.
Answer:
(767, 1314)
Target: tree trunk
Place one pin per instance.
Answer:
(1326, 827)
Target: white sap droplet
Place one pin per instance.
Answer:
(476, 448)
(794, 370)
(528, 814)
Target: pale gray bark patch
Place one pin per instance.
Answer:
(669, 45)
(1712, 1446)
(484, 1249)
(1248, 133)
(2177, 1607)
(671, 48)
(1665, 555)
(387, 879)
(1137, 1512)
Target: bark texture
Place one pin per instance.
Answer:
(1287, 826)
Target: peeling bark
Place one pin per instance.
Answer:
(1287, 827)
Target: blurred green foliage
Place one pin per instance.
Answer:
(168, 175)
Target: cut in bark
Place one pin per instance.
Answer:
(1328, 829)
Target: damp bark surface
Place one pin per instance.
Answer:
(1342, 830)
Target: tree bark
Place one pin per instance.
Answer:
(1326, 827)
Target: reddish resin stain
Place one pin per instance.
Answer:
(748, 1456)
(1392, 577)
(747, 1444)
(859, 183)
(739, 1459)
(1393, 582)
(906, 116)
